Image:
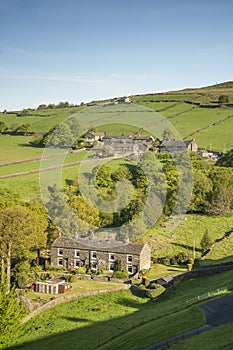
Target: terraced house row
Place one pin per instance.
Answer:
(69, 252)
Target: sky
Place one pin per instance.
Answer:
(84, 50)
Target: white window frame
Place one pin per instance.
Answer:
(110, 259)
(75, 253)
(92, 267)
(58, 262)
(94, 252)
(58, 251)
(130, 267)
(128, 260)
(75, 263)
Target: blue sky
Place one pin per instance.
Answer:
(83, 50)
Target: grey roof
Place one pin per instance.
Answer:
(176, 143)
(98, 244)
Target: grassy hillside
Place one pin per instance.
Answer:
(189, 232)
(118, 319)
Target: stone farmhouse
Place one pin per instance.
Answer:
(120, 145)
(91, 137)
(175, 146)
(68, 252)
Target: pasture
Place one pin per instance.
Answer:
(118, 320)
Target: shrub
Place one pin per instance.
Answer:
(145, 281)
(120, 274)
(81, 270)
(73, 279)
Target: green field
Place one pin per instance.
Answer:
(189, 232)
(118, 319)
(215, 339)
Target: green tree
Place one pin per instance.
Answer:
(205, 241)
(62, 216)
(122, 172)
(221, 200)
(8, 198)
(23, 276)
(11, 312)
(3, 127)
(23, 129)
(223, 99)
(226, 160)
(202, 189)
(21, 230)
(104, 177)
(84, 211)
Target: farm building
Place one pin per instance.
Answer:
(175, 146)
(68, 252)
(52, 286)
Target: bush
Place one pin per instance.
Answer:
(73, 279)
(145, 281)
(120, 274)
(81, 270)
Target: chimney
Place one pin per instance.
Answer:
(76, 235)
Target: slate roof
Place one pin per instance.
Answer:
(99, 245)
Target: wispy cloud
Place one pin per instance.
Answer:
(147, 77)
(54, 78)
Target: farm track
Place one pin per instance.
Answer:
(210, 126)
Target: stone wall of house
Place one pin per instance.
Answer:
(85, 257)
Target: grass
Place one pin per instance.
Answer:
(215, 339)
(169, 243)
(158, 270)
(118, 318)
(81, 287)
(197, 118)
(221, 251)
(157, 330)
(165, 96)
(217, 137)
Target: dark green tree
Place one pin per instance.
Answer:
(205, 241)
(223, 99)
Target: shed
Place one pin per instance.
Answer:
(52, 286)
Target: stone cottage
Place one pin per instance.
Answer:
(175, 146)
(68, 252)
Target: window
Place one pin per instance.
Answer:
(76, 263)
(77, 253)
(111, 267)
(129, 258)
(93, 255)
(130, 268)
(94, 265)
(60, 251)
(111, 256)
(60, 262)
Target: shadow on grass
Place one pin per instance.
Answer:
(82, 337)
